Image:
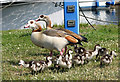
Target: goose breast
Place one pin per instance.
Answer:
(49, 42)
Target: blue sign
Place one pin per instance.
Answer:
(71, 15)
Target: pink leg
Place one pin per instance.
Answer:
(61, 52)
(50, 53)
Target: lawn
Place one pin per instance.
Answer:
(16, 45)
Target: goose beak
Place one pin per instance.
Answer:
(26, 26)
(37, 20)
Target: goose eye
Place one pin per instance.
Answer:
(41, 16)
(31, 22)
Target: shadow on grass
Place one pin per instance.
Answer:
(43, 54)
(104, 65)
(59, 69)
(11, 62)
(38, 54)
(26, 74)
(101, 66)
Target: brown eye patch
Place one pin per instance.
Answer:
(41, 16)
(31, 22)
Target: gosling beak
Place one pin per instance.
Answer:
(20, 66)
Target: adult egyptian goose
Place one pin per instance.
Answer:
(107, 58)
(50, 39)
(48, 26)
(37, 66)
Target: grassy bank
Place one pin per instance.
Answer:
(16, 45)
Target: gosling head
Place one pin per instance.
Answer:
(97, 46)
(70, 51)
(113, 53)
(48, 58)
(81, 50)
(21, 62)
(103, 51)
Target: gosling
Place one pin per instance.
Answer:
(101, 52)
(37, 66)
(107, 58)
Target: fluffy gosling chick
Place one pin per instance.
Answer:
(107, 58)
(101, 52)
(37, 66)
(65, 61)
(68, 56)
(78, 59)
(79, 50)
(90, 54)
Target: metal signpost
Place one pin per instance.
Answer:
(71, 15)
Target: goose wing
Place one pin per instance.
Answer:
(58, 33)
(80, 37)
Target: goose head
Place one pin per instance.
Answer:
(33, 25)
(43, 18)
(46, 19)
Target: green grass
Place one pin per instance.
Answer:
(16, 45)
